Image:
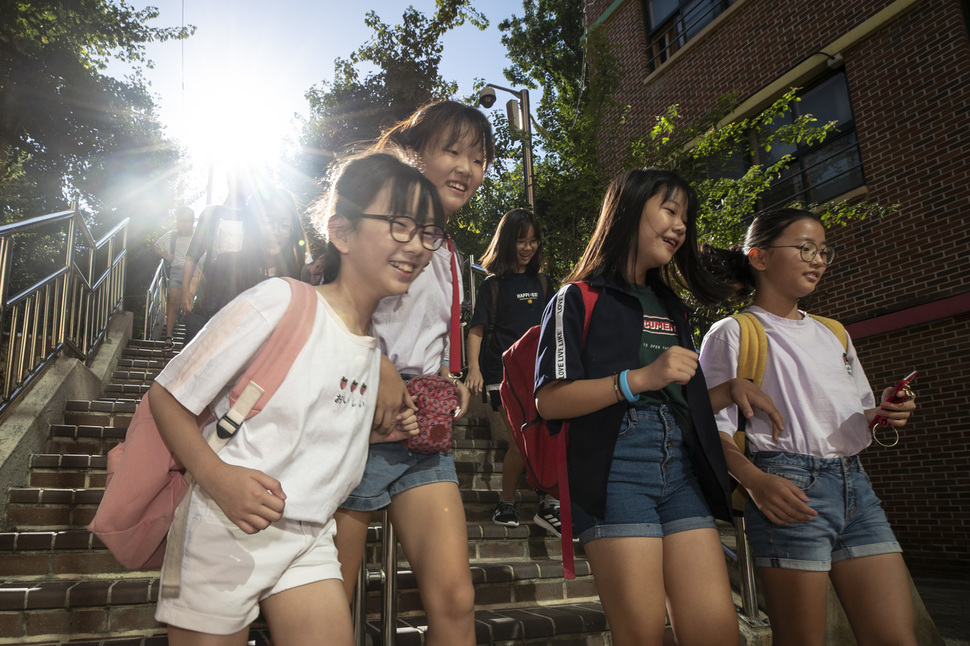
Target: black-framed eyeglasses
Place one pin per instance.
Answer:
(809, 250)
(403, 229)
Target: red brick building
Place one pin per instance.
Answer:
(895, 74)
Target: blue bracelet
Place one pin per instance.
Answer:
(625, 388)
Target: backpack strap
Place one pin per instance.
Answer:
(590, 295)
(546, 287)
(247, 397)
(492, 316)
(454, 347)
(753, 348)
(835, 328)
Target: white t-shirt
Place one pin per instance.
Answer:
(414, 328)
(313, 433)
(820, 389)
(181, 246)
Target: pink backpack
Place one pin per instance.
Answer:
(146, 482)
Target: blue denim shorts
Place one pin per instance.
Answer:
(850, 523)
(652, 490)
(391, 469)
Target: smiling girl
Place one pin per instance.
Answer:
(811, 514)
(646, 469)
(260, 534)
(510, 301)
(452, 143)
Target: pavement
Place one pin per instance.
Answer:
(948, 602)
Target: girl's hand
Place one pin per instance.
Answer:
(464, 396)
(747, 396)
(897, 414)
(779, 499)
(675, 365)
(391, 393)
(249, 498)
(406, 426)
(474, 381)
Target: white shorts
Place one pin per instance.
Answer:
(227, 572)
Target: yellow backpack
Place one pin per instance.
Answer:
(752, 357)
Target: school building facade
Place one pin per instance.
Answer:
(895, 75)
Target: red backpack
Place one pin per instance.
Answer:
(543, 453)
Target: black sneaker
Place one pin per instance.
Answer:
(548, 518)
(506, 514)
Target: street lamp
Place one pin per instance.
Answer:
(519, 117)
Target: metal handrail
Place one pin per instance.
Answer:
(70, 307)
(156, 299)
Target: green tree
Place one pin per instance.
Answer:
(70, 131)
(354, 107)
(576, 119)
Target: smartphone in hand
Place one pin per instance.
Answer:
(900, 393)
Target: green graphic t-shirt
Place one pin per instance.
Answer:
(659, 334)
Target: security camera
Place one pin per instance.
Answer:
(486, 97)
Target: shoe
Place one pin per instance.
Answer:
(548, 518)
(506, 514)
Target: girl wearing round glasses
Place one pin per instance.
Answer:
(452, 144)
(811, 515)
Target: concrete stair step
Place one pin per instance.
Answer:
(86, 612)
(125, 390)
(100, 412)
(68, 471)
(94, 439)
(133, 376)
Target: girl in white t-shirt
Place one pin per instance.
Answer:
(812, 515)
(452, 143)
(260, 523)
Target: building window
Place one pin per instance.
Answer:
(674, 22)
(824, 170)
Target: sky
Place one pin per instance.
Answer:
(232, 89)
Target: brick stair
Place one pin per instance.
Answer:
(59, 585)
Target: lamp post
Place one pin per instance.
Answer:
(519, 116)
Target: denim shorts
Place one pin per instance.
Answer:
(850, 523)
(652, 490)
(175, 278)
(392, 469)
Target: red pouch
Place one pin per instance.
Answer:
(437, 400)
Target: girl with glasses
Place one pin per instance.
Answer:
(452, 144)
(260, 531)
(811, 514)
(510, 301)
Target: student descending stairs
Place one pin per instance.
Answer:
(59, 585)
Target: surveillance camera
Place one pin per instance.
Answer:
(486, 97)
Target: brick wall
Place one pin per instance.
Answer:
(909, 83)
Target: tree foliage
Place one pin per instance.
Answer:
(66, 128)
(576, 118)
(401, 63)
(729, 197)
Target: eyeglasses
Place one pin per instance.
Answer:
(809, 250)
(404, 228)
(282, 227)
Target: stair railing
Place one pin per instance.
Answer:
(156, 298)
(60, 303)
